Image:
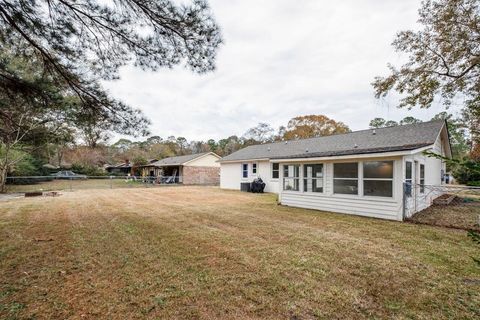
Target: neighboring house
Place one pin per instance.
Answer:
(200, 168)
(125, 167)
(360, 173)
(120, 168)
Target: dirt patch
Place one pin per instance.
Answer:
(10, 196)
(461, 213)
(33, 194)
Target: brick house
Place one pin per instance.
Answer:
(192, 169)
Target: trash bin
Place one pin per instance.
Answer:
(257, 186)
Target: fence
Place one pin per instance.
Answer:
(79, 182)
(419, 196)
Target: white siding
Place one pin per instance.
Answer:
(271, 185)
(359, 206)
(378, 207)
(433, 177)
(231, 175)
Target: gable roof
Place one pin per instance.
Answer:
(398, 138)
(178, 160)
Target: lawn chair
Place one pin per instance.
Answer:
(171, 179)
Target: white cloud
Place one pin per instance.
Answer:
(280, 59)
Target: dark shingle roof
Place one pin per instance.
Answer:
(119, 166)
(399, 138)
(176, 161)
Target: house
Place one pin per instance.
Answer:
(360, 173)
(120, 168)
(200, 169)
(125, 168)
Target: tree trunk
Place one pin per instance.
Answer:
(59, 156)
(3, 180)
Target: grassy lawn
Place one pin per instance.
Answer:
(80, 184)
(203, 253)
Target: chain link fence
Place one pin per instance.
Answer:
(80, 182)
(448, 205)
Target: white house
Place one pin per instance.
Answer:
(360, 173)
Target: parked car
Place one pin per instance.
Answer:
(68, 175)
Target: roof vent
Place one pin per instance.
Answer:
(374, 132)
(268, 148)
(355, 146)
(306, 150)
(286, 142)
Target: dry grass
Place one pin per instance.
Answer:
(80, 184)
(204, 253)
(458, 214)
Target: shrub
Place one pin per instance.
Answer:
(467, 171)
(475, 236)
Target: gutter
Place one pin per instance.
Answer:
(243, 160)
(340, 157)
(354, 156)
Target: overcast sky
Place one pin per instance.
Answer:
(280, 59)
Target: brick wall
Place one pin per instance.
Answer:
(201, 175)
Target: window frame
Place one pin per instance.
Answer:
(254, 168)
(272, 170)
(296, 179)
(422, 177)
(377, 179)
(244, 170)
(411, 171)
(408, 181)
(304, 178)
(348, 179)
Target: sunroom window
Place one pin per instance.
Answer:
(408, 178)
(313, 178)
(291, 177)
(422, 178)
(345, 178)
(378, 178)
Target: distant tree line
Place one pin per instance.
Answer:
(87, 149)
(91, 150)
(54, 55)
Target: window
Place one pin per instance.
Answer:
(275, 170)
(408, 172)
(422, 178)
(244, 170)
(313, 178)
(378, 178)
(408, 178)
(291, 177)
(345, 178)
(254, 168)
